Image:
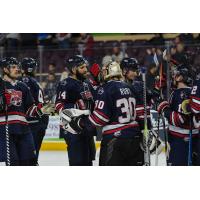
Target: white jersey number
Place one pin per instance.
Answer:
(40, 96)
(128, 107)
(194, 90)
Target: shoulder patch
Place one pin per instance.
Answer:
(64, 82)
(25, 79)
(100, 91)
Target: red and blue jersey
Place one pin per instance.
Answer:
(72, 93)
(179, 123)
(36, 92)
(115, 109)
(21, 106)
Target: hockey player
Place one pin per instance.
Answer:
(180, 124)
(73, 92)
(131, 71)
(37, 125)
(16, 140)
(115, 112)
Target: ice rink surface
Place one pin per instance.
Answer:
(60, 158)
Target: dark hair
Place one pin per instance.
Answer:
(52, 64)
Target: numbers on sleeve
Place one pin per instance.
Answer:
(99, 104)
(40, 96)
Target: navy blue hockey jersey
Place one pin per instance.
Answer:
(195, 97)
(195, 103)
(20, 106)
(72, 93)
(115, 109)
(36, 92)
(137, 89)
(179, 123)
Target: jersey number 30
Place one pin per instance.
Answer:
(128, 108)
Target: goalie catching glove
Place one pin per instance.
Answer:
(153, 139)
(71, 118)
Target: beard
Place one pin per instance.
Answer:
(80, 76)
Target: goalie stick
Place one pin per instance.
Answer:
(146, 131)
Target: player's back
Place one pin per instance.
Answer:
(116, 103)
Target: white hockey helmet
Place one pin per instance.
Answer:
(113, 69)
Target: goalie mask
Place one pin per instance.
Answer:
(113, 70)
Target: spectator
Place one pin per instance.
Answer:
(63, 40)
(50, 87)
(117, 55)
(29, 40)
(52, 68)
(12, 42)
(88, 41)
(158, 40)
(2, 39)
(64, 74)
(187, 38)
(45, 39)
(180, 55)
(151, 75)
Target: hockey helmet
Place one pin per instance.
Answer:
(29, 65)
(129, 64)
(75, 61)
(182, 70)
(113, 69)
(9, 61)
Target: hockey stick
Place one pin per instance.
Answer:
(190, 144)
(155, 58)
(6, 128)
(162, 98)
(146, 132)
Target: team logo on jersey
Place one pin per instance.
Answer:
(25, 79)
(86, 95)
(100, 91)
(16, 97)
(63, 83)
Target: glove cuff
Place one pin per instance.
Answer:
(162, 106)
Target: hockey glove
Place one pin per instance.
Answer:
(162, 106)
(48, 109)
(95, 70)
(71, 118)
(186, 107)
(75, 125)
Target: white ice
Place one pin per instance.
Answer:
(60, 158)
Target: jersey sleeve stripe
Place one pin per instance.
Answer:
(93, 121)
(100, 116)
